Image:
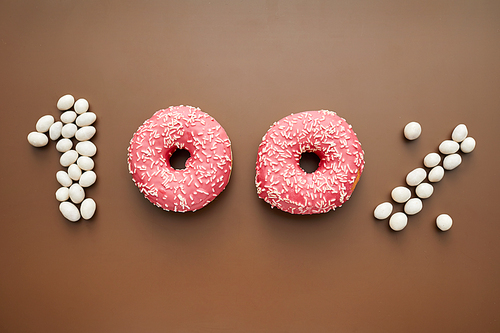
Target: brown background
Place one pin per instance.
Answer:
(237, 265)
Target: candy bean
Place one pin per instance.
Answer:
(412, 130)
(85, 133)
(432, 159)
(65, 102)
(68, 158)
(86, 119)
(398, 221)
(37, 139)
(436, 174)
(87, 179)
(400, 194)
(88, 208)
(459, 133)
(43, 124)
(448, 147)
(69, 211)
(450, 162)
(76, 193)
(81, 105)
(468, 145)
(55, 130)
(383, 210)
(68, 117)
(86, 148)
(416, 176)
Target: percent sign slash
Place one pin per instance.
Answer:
(460, 141)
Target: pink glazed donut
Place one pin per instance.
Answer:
(207, 170)
(280, 180)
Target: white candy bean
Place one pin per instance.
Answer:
(55, 130)
(86, 119)
(69, 211)
(448, 147)
(68, 158)
(383, 210)
(413, 206)
(450, 162)
(432, 159)
(85, 133)
(37, 139)
(416, 176)
(398, 221)
(468, 145)
(88, 208)
(63, 178)
(400, 194)
(69, 130)
(444, 222)
(76, 193)
(81, 105)
(65, 102)
(436, 174)
(43, 124)
(459, 133)
(412, 130)
(86, 148)
(424, 190)
(68, 117)
(64, 145)
(62, 194)
(87, 179)
(85, 163)
(74, 172)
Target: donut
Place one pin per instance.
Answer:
(207, 170)
(280, 180)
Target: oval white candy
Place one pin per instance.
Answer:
(88, 208)
(62, 194)
(432, 159)
(86, 148)
(37, 139)
(69, 130)
(74, 172)
(55, 130)
(68, 158)
(85, 163)
(68, 117)
(85, 133)
(400, 194)
(43, 124)
(398, 221)
(81, 105)
(468, 145)
(86, 119)
(416, 176)
(64, 145)
(412, 130)
(436, 174)
(65, 102)
(383, 210)
(76, 193)
(63, 178)
(424, 190)
(69, 211)
(444, 222)
(413, 206)
(448, 147)
(450, 162)
(459, 133)
(87, 179)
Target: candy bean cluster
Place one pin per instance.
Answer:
(75, 126)
(460, 141)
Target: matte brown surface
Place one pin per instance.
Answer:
(237, 265)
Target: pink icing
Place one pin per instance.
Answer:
(207, 169)
(280, 180)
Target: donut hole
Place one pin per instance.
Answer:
(309, 161)
(178, 158)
